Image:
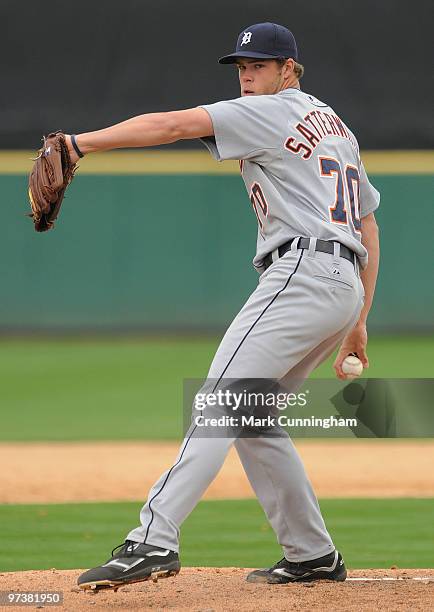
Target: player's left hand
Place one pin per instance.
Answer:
(51, 174)
(354, 342)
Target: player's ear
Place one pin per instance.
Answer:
(289, 67)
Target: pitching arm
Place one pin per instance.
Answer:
(356, 340)
(370, 240)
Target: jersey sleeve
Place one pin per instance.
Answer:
(369, 196)
(241, 129)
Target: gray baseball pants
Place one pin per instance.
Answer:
(303, 306)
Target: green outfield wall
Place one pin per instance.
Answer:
(166, 246)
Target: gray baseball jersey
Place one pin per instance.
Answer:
(303, 173)
(301, 167)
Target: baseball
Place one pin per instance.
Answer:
(352, 366)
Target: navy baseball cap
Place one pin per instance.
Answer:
(263, 41)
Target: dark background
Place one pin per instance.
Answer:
(84, 65)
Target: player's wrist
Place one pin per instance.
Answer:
(78, 150)
(72, 153)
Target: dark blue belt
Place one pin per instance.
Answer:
(322, 246)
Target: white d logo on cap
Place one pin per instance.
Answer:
(246, 38)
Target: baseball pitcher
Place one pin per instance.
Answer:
(317, 258)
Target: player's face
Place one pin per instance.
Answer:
(259, 76)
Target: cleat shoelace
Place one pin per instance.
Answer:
(128, 551)
(291, 565)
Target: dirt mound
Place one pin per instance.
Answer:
(225, 589)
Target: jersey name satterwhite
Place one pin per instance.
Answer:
(301, 166)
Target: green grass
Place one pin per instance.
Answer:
(370, 533)
(132, 389)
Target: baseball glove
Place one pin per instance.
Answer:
(50, 176)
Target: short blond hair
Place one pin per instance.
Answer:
(298, 68)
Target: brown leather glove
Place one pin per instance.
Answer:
(50, 176)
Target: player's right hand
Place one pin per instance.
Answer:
(354, 342)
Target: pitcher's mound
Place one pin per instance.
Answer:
(225, 589)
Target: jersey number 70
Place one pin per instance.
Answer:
(338, 211)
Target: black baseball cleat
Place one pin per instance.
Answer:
(330, 567)
(134, 562)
